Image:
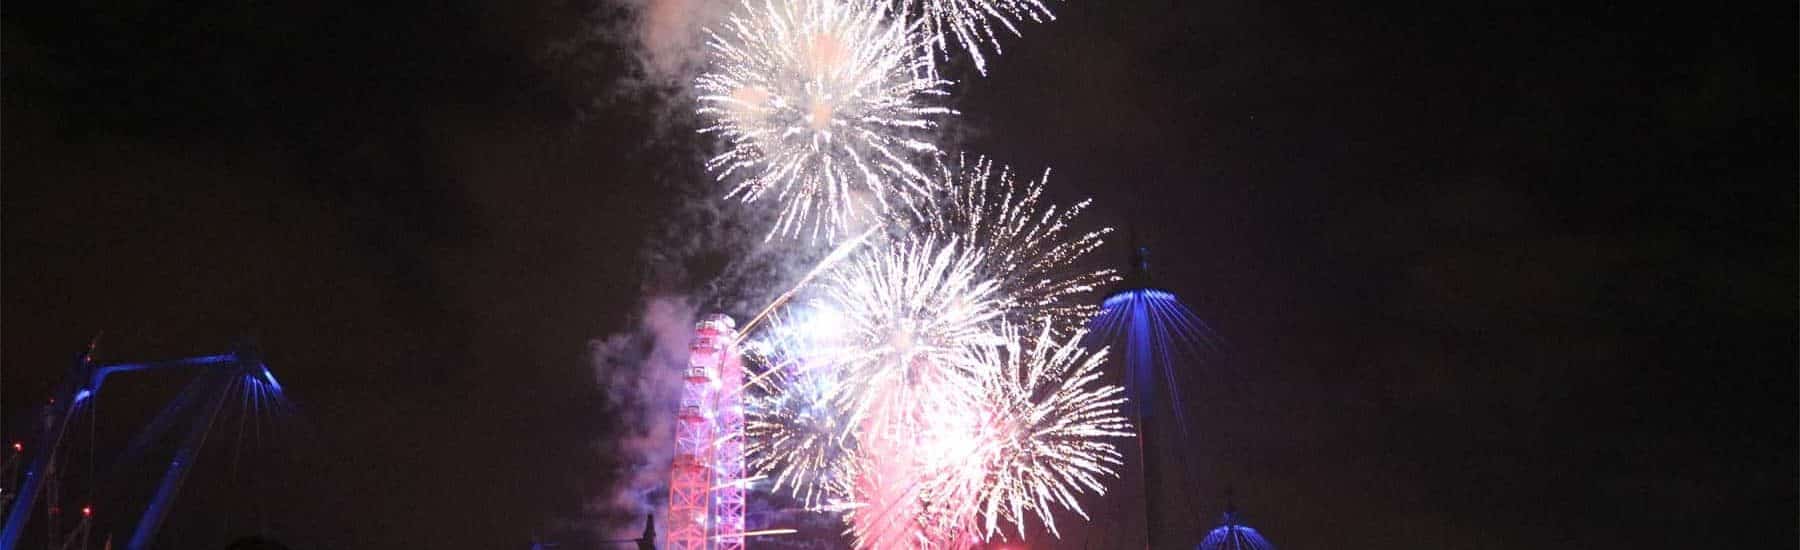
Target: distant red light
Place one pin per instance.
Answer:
(87, 511)
(18, 447)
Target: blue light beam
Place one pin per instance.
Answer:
(1159, 333)
(1234, 536)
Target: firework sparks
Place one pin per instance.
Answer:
(886, 487)
(842, 251)
(972, 23)
(900, 395)
(905, 401)
(1045, 430)
(1033, 254)
(795, 436)
(769, 532)
(827, 106)
(910, 311)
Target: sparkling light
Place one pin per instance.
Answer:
(910, 311)
(827, 105)
(900, 397)
(1045, 436)
(971, 23)
(794, 434)
(1031, 249)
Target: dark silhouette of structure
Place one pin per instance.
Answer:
(1160, 338)
(645, 541)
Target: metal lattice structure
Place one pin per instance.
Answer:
(706, 491)
(728, 458)
(222, 378)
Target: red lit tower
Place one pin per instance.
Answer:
(706, 490)
(728, 458)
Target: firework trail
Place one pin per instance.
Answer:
(971, 23)
(842, 251)
(825, 106)
(1031, 251)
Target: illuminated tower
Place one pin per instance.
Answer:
(1159, 335)
(705, 480)
(1232, 534)
(728, 458)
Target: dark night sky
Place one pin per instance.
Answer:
(1493, 276)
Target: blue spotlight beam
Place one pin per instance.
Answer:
(1231, 535)
(178, 470)
(1159, 334)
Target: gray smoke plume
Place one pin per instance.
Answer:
(655, 49)
(640, 373)
(670, 37)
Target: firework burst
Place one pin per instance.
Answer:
(795, 437)
(1033, 254)
(1044, 434)
(907, 402)
(972, 23)
(826, 105)
(909, 312)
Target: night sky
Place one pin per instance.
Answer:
(1489, 276)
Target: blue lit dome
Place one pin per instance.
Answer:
(1232, 535)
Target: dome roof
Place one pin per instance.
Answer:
(1232, 535)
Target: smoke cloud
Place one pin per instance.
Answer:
(665, 39)
(669, 34)
(640, 373)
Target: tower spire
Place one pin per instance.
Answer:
(1230, 507)
(1137, 274)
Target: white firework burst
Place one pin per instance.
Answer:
(937, 423)
(975, 25)
(1033, 251)
(794, 436)
(910, 312)
(827, 105)
(1047, 425)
